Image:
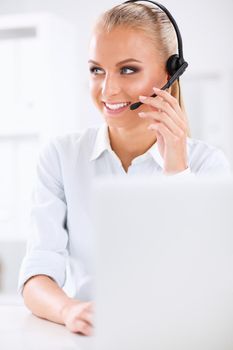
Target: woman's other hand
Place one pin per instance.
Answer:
(78, 317)
(169, 122)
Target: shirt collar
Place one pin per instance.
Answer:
(102, 142)
(153, 151)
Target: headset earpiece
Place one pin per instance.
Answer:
(173, 64)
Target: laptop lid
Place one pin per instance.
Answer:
(164, 259)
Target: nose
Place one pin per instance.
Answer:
(110, 86)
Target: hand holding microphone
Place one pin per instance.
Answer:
(169, 122)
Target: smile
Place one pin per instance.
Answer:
(114, 108)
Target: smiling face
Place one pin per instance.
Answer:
(114, 82)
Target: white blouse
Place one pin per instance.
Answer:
(60, 224)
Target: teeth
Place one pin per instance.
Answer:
(116, 105)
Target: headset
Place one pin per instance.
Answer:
(176, 64)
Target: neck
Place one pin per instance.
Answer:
(130, 143)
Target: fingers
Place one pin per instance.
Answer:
(167, 111)
(162, 129)
(166, 96)
(165, 102)
(163, 117)
(82, 328)
(87, 316)
(79, 317)
(85, 312)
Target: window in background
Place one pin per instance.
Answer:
(38, 101)
(209, 116)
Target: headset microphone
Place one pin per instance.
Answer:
(176, 64)
(166, 86)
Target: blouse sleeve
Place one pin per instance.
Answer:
(216, 164)
(47, 244)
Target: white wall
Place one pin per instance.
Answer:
(206, 26)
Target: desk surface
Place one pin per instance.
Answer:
(21, 330)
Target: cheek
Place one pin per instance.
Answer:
(144, 85)
(132, 87)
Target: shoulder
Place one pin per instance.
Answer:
(204, 158)
(75, 140)
(70, 144)
(61, 153)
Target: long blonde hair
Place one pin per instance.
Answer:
(155, 25)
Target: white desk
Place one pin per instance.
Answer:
(21, 330)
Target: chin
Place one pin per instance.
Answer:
(125, 122)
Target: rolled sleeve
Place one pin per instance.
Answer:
(182, 174)
(41, 262)
(217, 163)
(47, 244)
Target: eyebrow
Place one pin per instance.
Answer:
(119, 63)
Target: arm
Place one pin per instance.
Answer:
(46, 299)
(43, 270)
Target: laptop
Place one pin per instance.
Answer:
(164, 263)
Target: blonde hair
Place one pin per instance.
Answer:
(155, 25)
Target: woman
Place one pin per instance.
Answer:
(129, 47)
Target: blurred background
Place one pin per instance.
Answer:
(44, 92)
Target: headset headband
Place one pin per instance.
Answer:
(171, 18)
(176, 65)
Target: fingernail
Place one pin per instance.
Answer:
(156, 89)
(141, 114)
(142, 98)
(150, 127)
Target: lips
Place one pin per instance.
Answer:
(116, 107)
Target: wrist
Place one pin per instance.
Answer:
(65, 307)
(175, 165)
(175, 171)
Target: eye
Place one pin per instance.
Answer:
(132, 69)
(94, 70)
